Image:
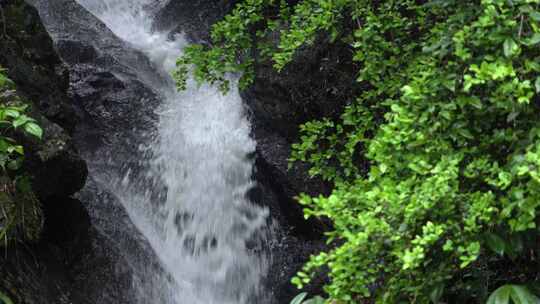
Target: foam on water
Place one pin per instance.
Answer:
(200, 222)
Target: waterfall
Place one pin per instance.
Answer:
(192, 206)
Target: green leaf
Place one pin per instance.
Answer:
(519, 295)
(525, 9)
(299, 298)
(15, 164)
(522, 295)
(19, 149)
(535, 39)
(5, 82)
(500, 296)
(3, 160)
(510, 47)
(16, 148)
(21, 120)
(495, 243)
(315, 300)
(535, 16)
(5, 299)
(4, 145)
(33, 129)
(436, 294)
(12, 113)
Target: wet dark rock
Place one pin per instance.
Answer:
(67, 223)
(41, 77)
(318, 84)
(77, 52)
(106, 271)
(194, 17)
(116, 114)
(55, 165)
(113, 106)
(34, 274)
(38, 272)
(27, 52)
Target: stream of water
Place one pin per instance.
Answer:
(198, 220)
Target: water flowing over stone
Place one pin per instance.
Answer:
(185, 191)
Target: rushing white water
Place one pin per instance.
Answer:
(200, 224)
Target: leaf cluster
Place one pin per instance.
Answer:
(13, 119)
(17, 201)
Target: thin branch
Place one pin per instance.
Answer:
(520, 27)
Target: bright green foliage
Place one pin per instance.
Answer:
(232, 35)
(448, 123)
(253, 24)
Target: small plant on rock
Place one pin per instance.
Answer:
(17, 201)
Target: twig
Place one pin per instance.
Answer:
(520, 27)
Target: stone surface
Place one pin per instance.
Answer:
(26, 50)
(115, 110)
(317, 84)
(194, 18)
(37, 272)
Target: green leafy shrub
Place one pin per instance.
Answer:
(448, 123)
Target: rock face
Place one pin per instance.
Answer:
(115, 112)
(194, 17)
(37, 272)
(27, 51)
(107, 94)
(313, 86)
(41, 77)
